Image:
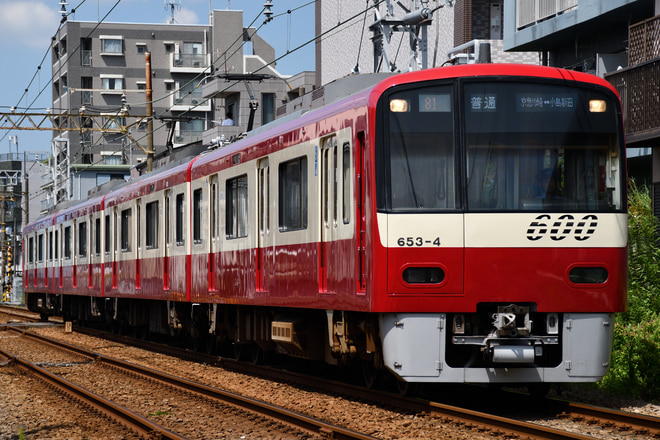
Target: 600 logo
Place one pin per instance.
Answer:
(562, 227)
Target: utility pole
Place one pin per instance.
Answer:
(150, 111)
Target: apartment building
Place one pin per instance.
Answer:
(100, 81)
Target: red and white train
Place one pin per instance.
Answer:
(459, 224)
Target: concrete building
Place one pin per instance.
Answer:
(100, 83)
(346, 44)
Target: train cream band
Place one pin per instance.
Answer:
(574, 230)
(524, 230)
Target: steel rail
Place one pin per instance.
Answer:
(291, 418)
(126, 417)
(637, 422)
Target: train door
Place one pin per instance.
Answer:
(328, 205)
(263, 216)
(168, 240)
(360, 215)
(215, 235)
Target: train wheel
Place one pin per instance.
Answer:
(257, 354)
(370, 375)
(238, 351)
(406, 388)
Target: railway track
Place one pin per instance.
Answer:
(642, 426)
(18, 314)
(145, 427)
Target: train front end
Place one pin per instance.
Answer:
(501, 225)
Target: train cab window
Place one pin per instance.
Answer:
(293, 195)
(31, 250)
(346, 182)
(541, 147)
(151, 233)
(416, 168)
(67, 242)
(180, 210)
(125, 237)
(108, 234)
(237, 207)
(82, 239)
(197, 215)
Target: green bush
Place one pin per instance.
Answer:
(636, 351)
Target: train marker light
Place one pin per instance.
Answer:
(399, 105)
(597, 105)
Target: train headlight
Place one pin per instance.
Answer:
(399, 105)
(597, 105)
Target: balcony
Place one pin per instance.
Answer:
(530, 12)
(185, 101)
(639, 84)
(184, 137)
(189, 63)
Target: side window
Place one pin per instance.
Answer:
(214, 208)
(67, 242)
(346, 183)
(180, 210)
(97, 237)
(237, 207)
(82, 239)
(125, 242)
(108, 234)
(168, 214)
(152, 225)
(293, 195)
(56, 244)
(50, 245)
(40, 248)
(197, 216)
(31, 250)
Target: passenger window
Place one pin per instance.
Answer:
(67, 242)
(82, 239)
(293, 195)
(31, 250)
(125, 230)
(152, 225)
(346, 182)
(108, 234)
(237, 207)
(40, 248)
(197, 216)
(180, 210)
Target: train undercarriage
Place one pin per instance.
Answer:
(498, 344)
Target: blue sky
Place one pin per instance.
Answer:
(26, 28)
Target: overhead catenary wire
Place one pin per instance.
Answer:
(200, 76)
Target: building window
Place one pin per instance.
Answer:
(141, 48)
(267, 108)
(126, 230)
(112, 45)
(293, 194)
(151, 231)
(112, 83)
(237, 207)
